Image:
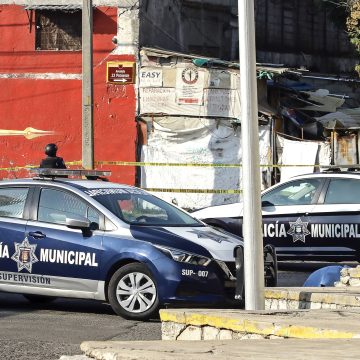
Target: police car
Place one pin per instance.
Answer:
(62, 237)
(309, 217)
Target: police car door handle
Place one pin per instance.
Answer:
(37, 234)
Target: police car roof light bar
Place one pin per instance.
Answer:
(53, 173)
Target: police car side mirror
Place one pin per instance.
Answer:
(266, 203)
(81, 223)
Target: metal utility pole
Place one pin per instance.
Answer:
(87, 86)
(252, 220)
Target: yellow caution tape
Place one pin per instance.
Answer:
(190, 191)
(135, 163)
(195, 191)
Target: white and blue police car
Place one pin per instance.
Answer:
(79, 238)
(308, 217)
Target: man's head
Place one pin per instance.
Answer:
(51, 149)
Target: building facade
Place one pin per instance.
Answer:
(41, 68)
(41, 75)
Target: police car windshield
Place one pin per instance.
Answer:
(137, 207)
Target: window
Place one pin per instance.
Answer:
(139, 208)
(343, 191)
(58, 30)
(12, 202)
(299, 192)
(55, 206)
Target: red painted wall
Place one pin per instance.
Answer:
(55, 105)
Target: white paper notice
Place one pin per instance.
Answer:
(190, 86)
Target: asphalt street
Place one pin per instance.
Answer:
(48, 331)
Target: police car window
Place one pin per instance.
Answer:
(140, 208)
(343, 191)
(299, 192)
(142, 211)
(93, 215)
(12, 202)
(55, 206)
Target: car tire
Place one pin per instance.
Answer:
(270, 266)
(39, 299)
(132, 292)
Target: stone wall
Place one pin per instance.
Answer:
(176, 331)
(349, 277)
(312, 298)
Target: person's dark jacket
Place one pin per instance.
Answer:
(53, 162)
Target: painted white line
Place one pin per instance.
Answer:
(41, 76)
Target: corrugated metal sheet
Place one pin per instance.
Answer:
(344, 119)
(68, 7)
(211, 62)
(345, 152)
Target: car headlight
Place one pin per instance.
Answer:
(184, 257)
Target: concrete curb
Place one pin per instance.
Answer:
(311, 298)
(223, 350)
(213, 325)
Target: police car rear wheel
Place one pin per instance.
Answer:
(133, 293)
(39, 298)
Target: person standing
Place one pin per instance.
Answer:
(52, 161)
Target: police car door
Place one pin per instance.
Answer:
(67, 259)
(336, 219)
(13, 256)
(285, 211)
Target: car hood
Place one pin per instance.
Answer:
(230, 210)
(201, 240)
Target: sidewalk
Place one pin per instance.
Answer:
(203, 324)
(224, 350)
(327, 325)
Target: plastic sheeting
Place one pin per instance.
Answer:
(344, 119)
(326, 276)
(300, 157)
(323, 101)
(184, 140)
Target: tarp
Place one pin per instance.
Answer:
(326, 276)
(210, 93)
(299, 157)
(179, 87)
(323, 102)
(184, 140)
(344, 119)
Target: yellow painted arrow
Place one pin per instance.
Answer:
(29, 133)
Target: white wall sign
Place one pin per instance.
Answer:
(217, 102)
(189, 86)
(151, 77)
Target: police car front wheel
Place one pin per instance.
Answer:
(132, 292)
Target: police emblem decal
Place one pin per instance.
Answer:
(298, 230)
(25, 255)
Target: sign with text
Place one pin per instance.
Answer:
(120, 72)
(190, 86)
(151, 77)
